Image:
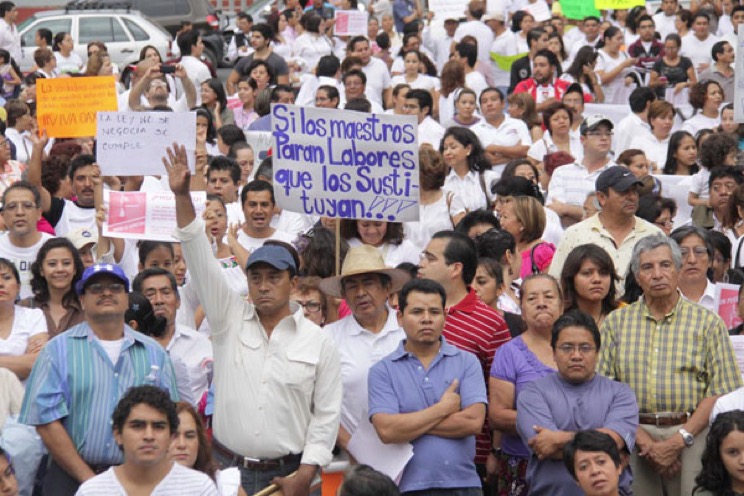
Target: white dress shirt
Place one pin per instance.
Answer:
(274, 395)
(195, 351)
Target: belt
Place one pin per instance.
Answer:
(664, 419)
(255, 463)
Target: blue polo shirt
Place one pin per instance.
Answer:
(399, 383)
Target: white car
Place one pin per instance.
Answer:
(124, 32)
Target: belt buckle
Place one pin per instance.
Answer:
(247, 461)
(656, 420)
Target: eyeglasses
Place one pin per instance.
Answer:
(310, 306)
(583, 349)
(664, 223)
(698, 250)
(98, 288)
(600, 134)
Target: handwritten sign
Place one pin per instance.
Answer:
(739, 80)
(350, 23)
(144, 214)
(578, 9)
(539, 10)
(341, 163)
(66, 107)
(132, 143)
(617, 4)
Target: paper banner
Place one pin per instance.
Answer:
(345, 164)
(726, 302)
(350, 23)
(67, 107)
(144, 214)
(578, 9)
(133, 143)
(504, 62)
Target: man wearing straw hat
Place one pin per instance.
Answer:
(276, 374)
(369, 333)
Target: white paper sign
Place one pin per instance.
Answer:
(448, 9)
(147, 215)
(737, 343)
(390, 459)
(739, 79)
(540, 11)
(133, 143)
(351, 23)
(345, 164)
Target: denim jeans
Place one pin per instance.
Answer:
(462, 491)
(255, 480)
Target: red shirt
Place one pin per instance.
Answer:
(559, 89)
(473, 326)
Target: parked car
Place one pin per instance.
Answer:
(124, 32)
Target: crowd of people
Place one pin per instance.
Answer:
(549, 326)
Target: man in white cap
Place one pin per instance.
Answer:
(368, 334)
(504, 45)
(84, 240)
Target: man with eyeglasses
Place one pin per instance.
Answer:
(571, 183)
(370, 333)
(677, 358)
(79, 377)
(21, 211)
(615, 228)
(552, 409)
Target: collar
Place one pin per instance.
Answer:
(355, 328)
(647, 314)
(466, 305)
(83, 331)
(294, 312)
(400, 352)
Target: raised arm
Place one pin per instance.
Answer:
(34, 168)
(179, 180)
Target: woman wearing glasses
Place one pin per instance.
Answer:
(697, 261)
(313, 302)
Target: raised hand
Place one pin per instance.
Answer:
(176, 165)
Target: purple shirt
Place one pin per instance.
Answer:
(515, 363)
(399, 383)
(555, 404)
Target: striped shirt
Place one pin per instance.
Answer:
(671, 364)
(572, 182)
(74, 381)
(473, 326)
(180, 481)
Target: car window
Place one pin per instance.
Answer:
(54, 25)
(138, 33)
(163, 8)
(101, 28)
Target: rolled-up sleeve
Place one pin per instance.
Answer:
(45, 400)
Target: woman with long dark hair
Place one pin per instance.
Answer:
(214, 99)
(720, 474)
(470, 174)
(681, 159)
(581, 71)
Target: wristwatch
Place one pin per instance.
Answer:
(688, 438)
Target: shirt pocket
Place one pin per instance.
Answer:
(300, 368)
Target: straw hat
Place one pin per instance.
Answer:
(364, 259)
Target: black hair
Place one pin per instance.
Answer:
(265, 65)
(363, 480)
(220, 163)
(670, 166)
(592, 441)
(278, 89)
(265, 30)
(517, 186)
(575, 318)
(328, 66)
(331, 91)
(572, 266)
(424, 99)
(211, 130)
(216, 85)
(187, 41)
(154, 272)
(22, 184)
(58, 39)
(39, 284)
(468, 51)
(715, 149)
(651, 206)
(477, 160)
(151, 396)
(257, 185)
(145, 247)
(426, 286)
(245, 16)
(552, 59)
(682, 232)
(314, 246)
(517, 18)
(46, 35)
(494, 243)
(720, 244)
(10, 266)
(265, 169)
(533, 35)
(713, 476)
(640, 98)
(230, 134)
(717, 49)
(359, 104)
(475, 217)
(311, 22)
(460, 249)
(722, 171)
(140, 310)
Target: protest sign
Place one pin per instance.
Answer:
(66, 107)
(726, 300)
(133, 143)
(578, 9)
(737, 343)
(448, 9)
(617, 4)
(345, 164)
(350, 23)
(260, 142)
(739, 79)
(539, 10)
(144, 214)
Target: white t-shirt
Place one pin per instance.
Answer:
(511, 132)
(433, 218)
(27, 322)
(422, 82)
(698, 51)
(612, 90)
(431, 132)
(476, 82)
(699, 182)
(470, 190)
(505, 44)
(180, 481)
(71, 64)
(22, 258)
(112, 348)
(545, 145)
(665, 24)
(74, 218)
(481, 32)
(378, 80)
(698, 122)
(655, 150)
(251, 244)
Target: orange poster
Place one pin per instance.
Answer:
(66, 107)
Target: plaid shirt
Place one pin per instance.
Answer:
(671, 364)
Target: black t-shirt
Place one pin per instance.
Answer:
(674, 73)
(278, 64)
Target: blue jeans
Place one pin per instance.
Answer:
(462, 491)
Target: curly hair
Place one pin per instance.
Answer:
(714, 150)
(151, 396)
(713, 476)
(699, 93)
(53, 172)
(204, 461)
(39, 284)
(592, 253)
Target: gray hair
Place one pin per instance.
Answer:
(651, 243)
(683, 232)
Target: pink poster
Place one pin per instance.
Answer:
(727, 299)
(127, 212)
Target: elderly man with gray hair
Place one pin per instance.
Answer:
(677, 358)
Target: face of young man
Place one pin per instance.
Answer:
(423, 318)
(145, 436)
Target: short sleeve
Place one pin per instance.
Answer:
(45, 400)
(472, 384)
(657, 68)
(456, 204)
(35, 322)
(504, 365)
(538, 150)
(382, 397)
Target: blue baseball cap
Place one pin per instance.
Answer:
(276, 256)
(98, 270)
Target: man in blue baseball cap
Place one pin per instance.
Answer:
(80, 375)
(277, 377)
